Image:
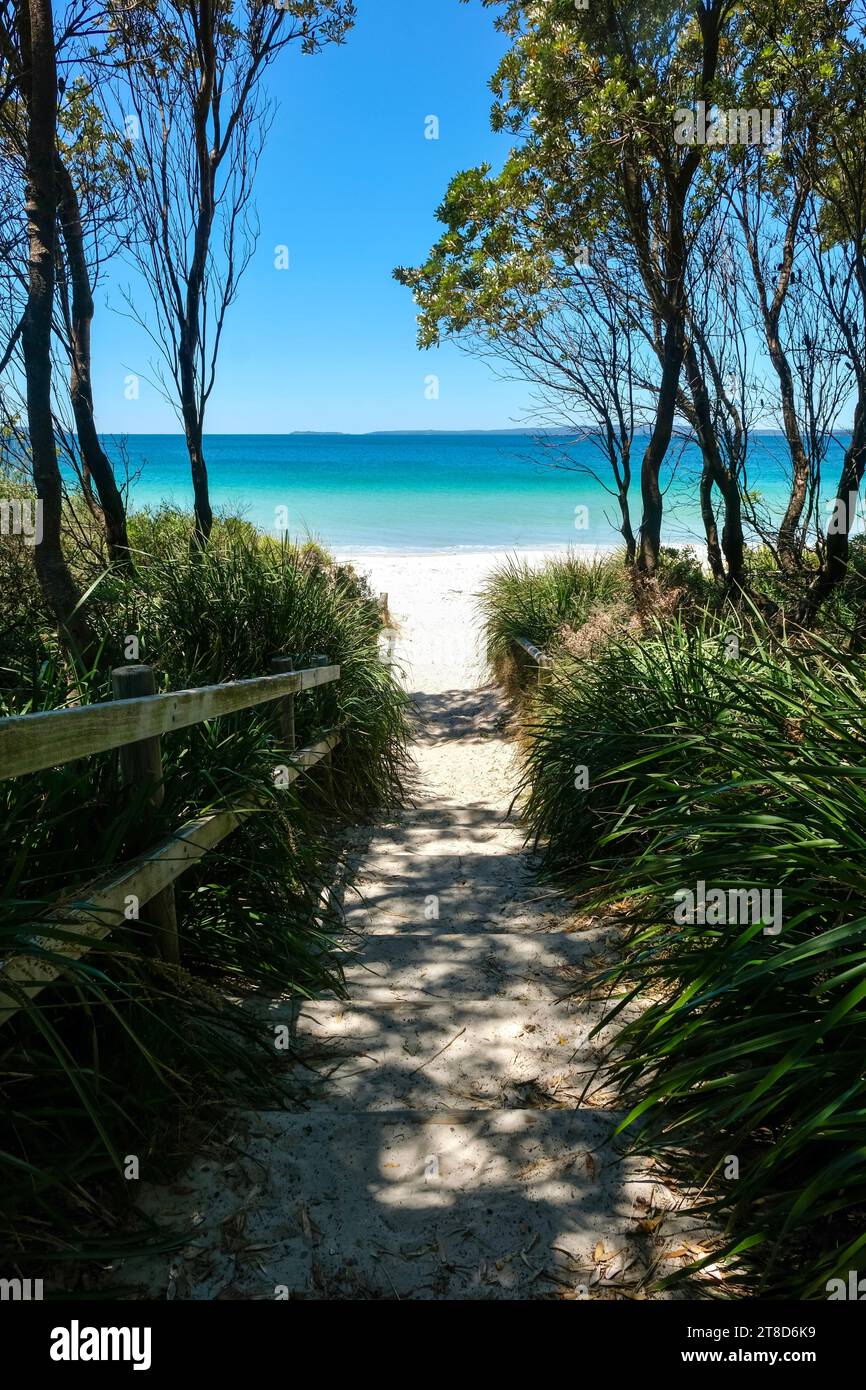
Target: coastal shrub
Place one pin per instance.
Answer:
(687, 759)
(574, 606)
(541, 602)
(682, 572)
(96, 1067)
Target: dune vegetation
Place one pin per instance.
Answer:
(697, 746)
(107, 1062)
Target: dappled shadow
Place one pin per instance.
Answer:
(474, 715)
(432, 1052)
(426, 1171)
(495, 1203)
(452, 1135)
(466, 892)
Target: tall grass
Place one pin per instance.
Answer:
(93, 1069)
(711, 751)
(741, 774)
(520, 600)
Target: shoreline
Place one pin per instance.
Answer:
(434, 609)
(494, 553)
(433, 602)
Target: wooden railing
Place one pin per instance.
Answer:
(134, 722)
(542, 661)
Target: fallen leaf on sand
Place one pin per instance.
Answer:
(650, 1224)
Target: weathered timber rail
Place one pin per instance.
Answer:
(33, 742)
(541, 660)
(134, 723)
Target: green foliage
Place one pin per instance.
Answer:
(579, 93)
(742, 773)
(98, 1064)
(521, 601)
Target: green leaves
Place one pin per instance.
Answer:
(102, 1061)
(745, 773)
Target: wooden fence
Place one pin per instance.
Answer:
(540, 659)
(134, 722)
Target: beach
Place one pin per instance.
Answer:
(418, 494)
(433, 605)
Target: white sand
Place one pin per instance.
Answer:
(432, 601)
(445, 1149)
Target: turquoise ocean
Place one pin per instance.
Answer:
(431, 492)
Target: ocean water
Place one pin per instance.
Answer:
(430, 492)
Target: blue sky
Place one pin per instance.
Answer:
(350, 184)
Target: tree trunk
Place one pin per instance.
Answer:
(771, 311)
(733, 542)
(787, 537)
(666, 290)
(626, 528)
(656, 449)
(37, 44)
(193, 400)
(714, 552)
(95, 462)
(835, 564)
(192, 404)
(198, 467)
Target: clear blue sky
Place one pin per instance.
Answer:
(350, 184)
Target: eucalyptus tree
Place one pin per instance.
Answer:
(593, 96)
(774, 206)
(585, 353)
(791, 289)
(840, 183)
(9, 198)
(813, 57)
(85, 179)
(506, 290)
(90, 173)
(717, 395)
(31, 50)
(768, 199)
(190, 99)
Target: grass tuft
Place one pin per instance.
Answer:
(103, 1063)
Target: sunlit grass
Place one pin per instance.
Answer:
(714, 752)
(96, 1066)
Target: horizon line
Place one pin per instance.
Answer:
(365, 434)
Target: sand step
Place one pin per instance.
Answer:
(463, 964)
(381, 1054)
(460, 1201)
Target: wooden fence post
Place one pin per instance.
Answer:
(141, 764)
(286, 707)
(321, 660)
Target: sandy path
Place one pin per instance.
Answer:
(443, 1151)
